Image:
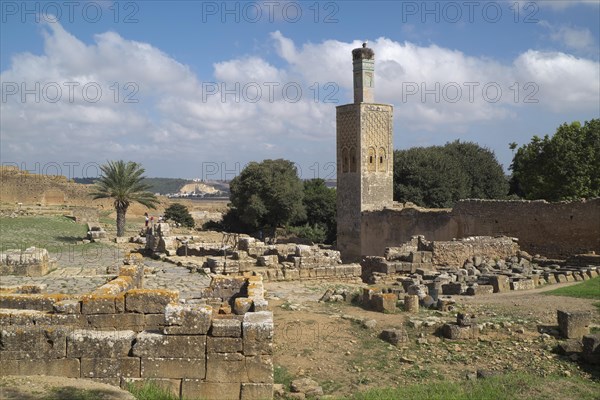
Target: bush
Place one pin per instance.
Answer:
(180, 214)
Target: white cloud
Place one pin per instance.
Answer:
(176, 120)
(581, 40)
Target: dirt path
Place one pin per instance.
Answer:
(58, 388)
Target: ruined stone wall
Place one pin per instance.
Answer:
(121, 334)
(550, 229)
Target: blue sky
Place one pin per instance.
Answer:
(199, 89)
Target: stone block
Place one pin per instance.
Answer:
(257, 332)
(591, 349)
(154, 322)
(187, 319)
(127, 367)
(197, 389)
(155, 367)
(38, 302)
(523, 284)
(260, 305)
(128, 321)
(149, 301)
(384, 302)
(242, 305)
(66, 367)
(224, 344)
(17, 342)
(573, 324)
(100, 344)
(550, 279)
(411, 303)
(226, 367)
(394, 336)
(500, 283)
(98, 304)
(480, 290)
(150, 344)
(454, 288)
(68, 307)
(256, 391)
(260, 368)
(561, 278)
(226, 327)
(456, 332)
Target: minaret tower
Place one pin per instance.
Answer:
(364, 156)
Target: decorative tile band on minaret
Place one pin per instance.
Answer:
(363, 61)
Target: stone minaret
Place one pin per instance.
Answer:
(364, 156)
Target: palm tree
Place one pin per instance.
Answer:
(122, 182)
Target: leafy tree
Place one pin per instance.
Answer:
(122, 182)
(265, 195)
(562, 167)
(320, 204)
(438, 176)
(179, 213)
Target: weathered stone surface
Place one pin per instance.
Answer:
(573, 324)
(307, 386)
(224, 344)
(480, 290)
(242, 305)
(456, 332)
(149, 344)
(17, 342)
(226, 327)
(100, 344)
(128, 367)
(197, 389)
(187, 319)
(67, 367)
(257, 329)
(591, 349)
(454, 288)
(256, 391)
(148, 301)
(226, 367)
(127, 321)
(500, 283)
(38, 302)
(523, 284)
(167, 367)
(260, 368)
(569, 347)
(68, 307)
(411, 303)
(384, 302)
(394, 336)
(99, 304)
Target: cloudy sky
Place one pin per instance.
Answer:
(199, 88)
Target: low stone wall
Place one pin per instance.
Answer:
(123, 334)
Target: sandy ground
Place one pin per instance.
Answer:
(58, 388)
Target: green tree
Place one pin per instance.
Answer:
(268, 194)
(562, 167)
(438, 176)
(179, 213)
(122, 182)
(320, 205)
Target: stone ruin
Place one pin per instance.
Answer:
(247, 256)
(436, 270)
(32, 261)
(215, 347)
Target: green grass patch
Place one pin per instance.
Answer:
(40, 231)
(586, 290)
(282, 376)
(151, 391)
(504, 387)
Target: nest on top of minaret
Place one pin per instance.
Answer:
(363, 53)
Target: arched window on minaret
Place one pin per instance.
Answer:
(372, 160)
(345, 159)
(382, 166)
(352, 159)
